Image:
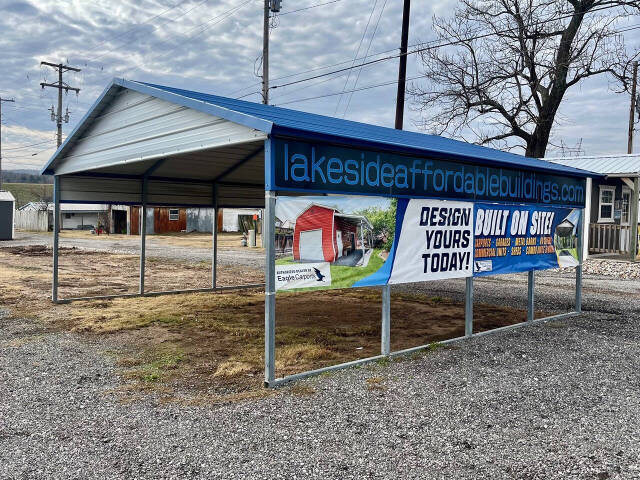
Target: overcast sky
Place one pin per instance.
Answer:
(213, 46)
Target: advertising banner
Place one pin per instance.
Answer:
(322, 168)
(355, 241)
(435, 241)
(511, 239)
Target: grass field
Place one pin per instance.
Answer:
(29, 192)
(207, 346)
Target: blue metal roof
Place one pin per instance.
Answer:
(292, 123)
(295, 123)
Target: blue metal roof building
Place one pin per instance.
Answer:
(145, 144)
(278, 121)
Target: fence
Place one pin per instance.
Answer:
(32, 220)
(609, 238)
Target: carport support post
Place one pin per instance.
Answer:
(633, 235)
(468, 307)
(143, 233)
(580, 231)
(56, 235)
(386, 320)
(270, 289)
(531, 283)
(214, 227)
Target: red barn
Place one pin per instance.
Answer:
(324, 234)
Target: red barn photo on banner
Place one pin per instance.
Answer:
(325, 234)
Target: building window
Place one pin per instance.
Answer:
(67, 215)
(607, 196)
(174, 214)
(625, 211)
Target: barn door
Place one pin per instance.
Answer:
(311, 246)
(134, 221)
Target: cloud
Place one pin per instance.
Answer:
(214, 47)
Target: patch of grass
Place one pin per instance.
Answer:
(293, 355)
(384, 361)
(234, 368)
(302, 390)
(437, 299)
(161, 362)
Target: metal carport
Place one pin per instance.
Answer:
(152, 145)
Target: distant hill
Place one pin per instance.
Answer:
(29, 192)
(25, 176)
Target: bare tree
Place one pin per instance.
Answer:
(511, 63)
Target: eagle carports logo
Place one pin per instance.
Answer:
(303, 275)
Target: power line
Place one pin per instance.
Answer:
(365, 53)
(223, 16)
(308, 8)
(60, 85)
(382, 84)
(170, 20)
(364, 33)
(23, 147)
(8, 100)
(432, 46)
(150, 19)
(367, 87)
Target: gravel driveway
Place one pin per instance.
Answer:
(155, 248)
(550, 401)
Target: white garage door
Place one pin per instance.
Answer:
(311, 245)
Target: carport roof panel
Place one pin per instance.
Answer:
(309, 125)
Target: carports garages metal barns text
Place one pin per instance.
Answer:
(460, 210)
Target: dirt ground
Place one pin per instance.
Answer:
(193, 239)
(210, 345)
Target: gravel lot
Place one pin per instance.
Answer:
(555, 400)
(155, 248)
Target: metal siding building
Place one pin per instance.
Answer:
(610, 201)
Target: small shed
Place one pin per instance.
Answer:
(325, 234)
(7, 207)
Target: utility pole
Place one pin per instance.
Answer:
(2, 100)
(402, 69)
(633, 107)
(269, 7)
(60, 85)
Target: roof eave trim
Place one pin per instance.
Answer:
(622, 175)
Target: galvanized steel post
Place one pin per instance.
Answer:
(385, 347)
(633, 229)
(214, 229)
(580, 231)
(531, 295)
(270, 289)
(56, 235)
(143, 233)
(468, 307)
